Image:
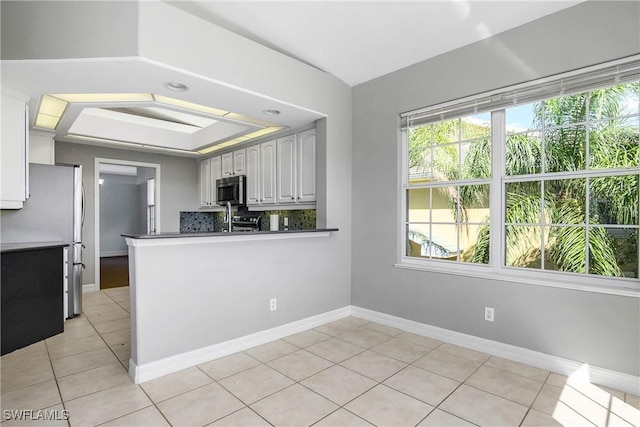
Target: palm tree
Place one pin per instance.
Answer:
(558, 142)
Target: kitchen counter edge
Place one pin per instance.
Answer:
(30, 246)
(174, 235)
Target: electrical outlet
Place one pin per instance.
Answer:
(488, 314)
(273, 304)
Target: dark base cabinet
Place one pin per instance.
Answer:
(32, 295)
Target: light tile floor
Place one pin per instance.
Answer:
(346, 373)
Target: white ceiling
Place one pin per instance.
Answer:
(354, 40)
(360, 40)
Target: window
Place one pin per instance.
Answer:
(540, 178)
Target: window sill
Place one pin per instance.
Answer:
(486, 272)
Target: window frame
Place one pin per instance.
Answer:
(497, 268)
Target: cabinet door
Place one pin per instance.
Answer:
(306, 173)
(205, 182)
(216, 174)
(15, 145)
(268, 172)
(253, 175)
(227, 164)
(239, 162)
(286, 169)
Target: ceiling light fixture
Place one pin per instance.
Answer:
(176, 86)
(104, 97)
(271, 112)
(50, 112)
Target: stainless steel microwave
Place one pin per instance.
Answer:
(231, 189)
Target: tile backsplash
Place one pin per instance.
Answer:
(200, 221)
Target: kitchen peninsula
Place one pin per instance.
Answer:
(199, 296)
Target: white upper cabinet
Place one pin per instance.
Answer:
(227, 164)
(306, 172)
(268, 172)
(14, 160)
(205, 182)
(239, 162)
(253, 175)
(286, 169)
(216, 174)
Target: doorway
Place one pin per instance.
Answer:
(126, 201)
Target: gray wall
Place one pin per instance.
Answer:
(179, 188)
(119, 212)
(598, 329)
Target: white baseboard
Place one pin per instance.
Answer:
(108, 254)
(91, 287)
(601, 376)
(169, 365)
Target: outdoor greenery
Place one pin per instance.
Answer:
(546, 219)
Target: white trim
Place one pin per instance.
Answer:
(606, 377)
(96, 205)
(91, 287)
(169, 365)
(109, 254)
(528, 277)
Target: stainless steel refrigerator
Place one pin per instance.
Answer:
(54, 211)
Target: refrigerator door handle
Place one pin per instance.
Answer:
(82, 202)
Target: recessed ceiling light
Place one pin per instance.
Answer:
(176, 86)
(271, 112)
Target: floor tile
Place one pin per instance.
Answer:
(294, 406)
(335, 350)
(521, 369)
(228, 365)
(174, 384)
(29, 375)
(364, 338)
(383, 406)
(72, 334)
(273, 350)
(383, 329)
(373, 365)
(419, 339)
(423, 385)
(447, 365)
(306, 338)
(482, 408)
(402, 350)
(339, 384)
(117, 338)
(24, 357)
(354, 321)
(122, 351)
(53, 416)
(37, 396)
(242, 418)
(439, 418)
(93, 380)
(90, 299)
(83, 362)
(200, 406)
(566, 416)
(299, 365)
(505, 384)
(255, 383)
(557, 380)
(106, 405)
(538, 419)
(633, 400)
(70, 348)
(147, 417)
(464, 353)
(334, 328)
(106, 313)
(342, 418)
(547, 399)
(113, 325)
(584, 406)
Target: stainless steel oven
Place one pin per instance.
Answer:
(231, 190)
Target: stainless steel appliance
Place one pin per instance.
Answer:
(54, 211)
(246, 221)
(231, 190)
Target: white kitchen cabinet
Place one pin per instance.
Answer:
(268, 172)
(286, 169)
(210, 171)
(14, 159)
(227, 164)
(253, 175)
(239, 162)
(306, 167)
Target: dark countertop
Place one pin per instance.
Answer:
(29, 246)
(170, 235)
